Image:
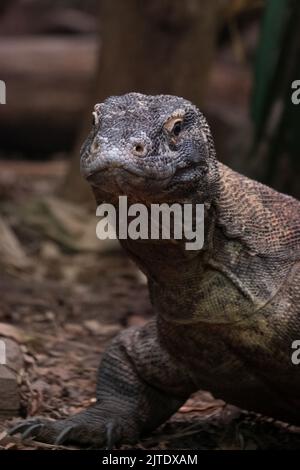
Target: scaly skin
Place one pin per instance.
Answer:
(226, 315)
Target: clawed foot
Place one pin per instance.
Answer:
(80, 430)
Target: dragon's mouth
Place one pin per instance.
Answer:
(119, 172)
(178, 173)
(117, 180)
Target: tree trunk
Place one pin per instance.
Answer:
(153, 47)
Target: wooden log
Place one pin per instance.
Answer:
(48, 81)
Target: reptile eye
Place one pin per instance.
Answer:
(174, 125)
(177, 128)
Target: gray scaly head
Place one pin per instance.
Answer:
(150, 148)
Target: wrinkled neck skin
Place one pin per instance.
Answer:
(168, 261)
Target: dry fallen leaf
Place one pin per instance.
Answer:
(11, 251)
(10, 331)
(3, 435)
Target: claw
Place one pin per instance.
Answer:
(62, 437)
(109, 435)
(19, 428)
(29, 431)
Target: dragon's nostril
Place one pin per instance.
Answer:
(95, 146)
(139, 149)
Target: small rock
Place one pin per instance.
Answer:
(11, 364)
(97, 328)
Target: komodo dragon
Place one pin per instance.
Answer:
(226, 315)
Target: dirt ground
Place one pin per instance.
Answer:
(66, 301)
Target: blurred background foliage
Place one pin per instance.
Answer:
(274, 156)
(236, 59)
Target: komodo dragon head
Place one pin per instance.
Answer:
(152, 148)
